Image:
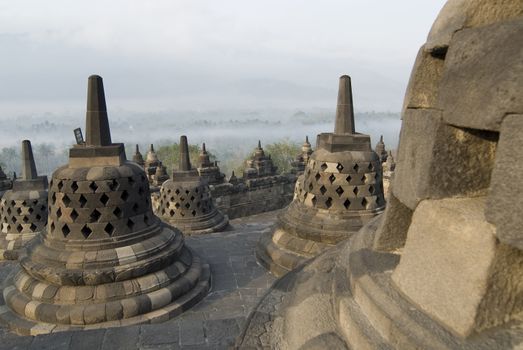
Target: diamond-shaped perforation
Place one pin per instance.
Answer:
(82, 200)
(332, 178)
(370, 167)
(328, 202)
(74, 186)
(30, 210)
(314, 200)
(124, 195)
(172, 212)
(59, 213)
(66, 200)
(364, 202)
(104, 199)
(339, 167)
(25, 219)
(60, 185)
(86, 231)
(95, 216)
(130, 224)
(317, 176)
(371, 189)
(356, 167)
(346, 204)
(355, 190)
(136, 207)
(131, 181)
(117, 212)
(193, 213)
(65, 230)
(177, 205)
(187, 205)
(32, 227)
(323, 189)
(113, 185)
(93, 186)
(109, 229)
(53, 198)
(311, 187)
(19, 210)
(339, 191)
(74, 215)
(323, 166)
(19, 228)
(177, 191)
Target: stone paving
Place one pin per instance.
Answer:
(238, 284)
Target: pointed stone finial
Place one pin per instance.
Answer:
(203, 148)
(97, 124)
(307, 139)
(259, 144)
(344, 111)
(137, 149)
(381, 138)
(185, 162)
(151, 148)
(28, 162)
(14, 175)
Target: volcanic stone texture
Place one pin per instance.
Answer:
(443, 267)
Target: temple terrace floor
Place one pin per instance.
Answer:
(238, 284)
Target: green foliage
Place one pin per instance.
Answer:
(282, 153)
(170, 155)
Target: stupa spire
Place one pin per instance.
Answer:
(344, 111)
(28, 162)
(97, 124)
(185, 162)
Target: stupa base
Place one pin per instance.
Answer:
(345, 298)
(189, 295)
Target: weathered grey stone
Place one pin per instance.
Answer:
(392, 233)
(434, 157)
(445, 234)
(472, 63)
(423, 87)
(503, 210)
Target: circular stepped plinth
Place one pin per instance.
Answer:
(351, 285)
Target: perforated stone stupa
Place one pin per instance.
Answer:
(105, 259)
(23, 209)
(186, 201)
(340, 190)
(138, 158)
(442, 268)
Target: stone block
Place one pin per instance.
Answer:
(473, 63)
(422, 90)
(434, 158)
(506, 187)
(454, 270)
(395, 222)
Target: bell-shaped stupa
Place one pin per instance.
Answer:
(105, 260)
(186, 202)
(23, 208)
(340, 190)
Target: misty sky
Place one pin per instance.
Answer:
(204, 55)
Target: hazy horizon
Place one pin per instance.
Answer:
(166, 56)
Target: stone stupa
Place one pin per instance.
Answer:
(259, 165)
(442, 268)
(23, 208)
(209, 170)
(340, 190)
(185, 200)
(137, 157)
(301, 160)
(105, 259)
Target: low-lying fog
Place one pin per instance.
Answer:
(227, 134)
